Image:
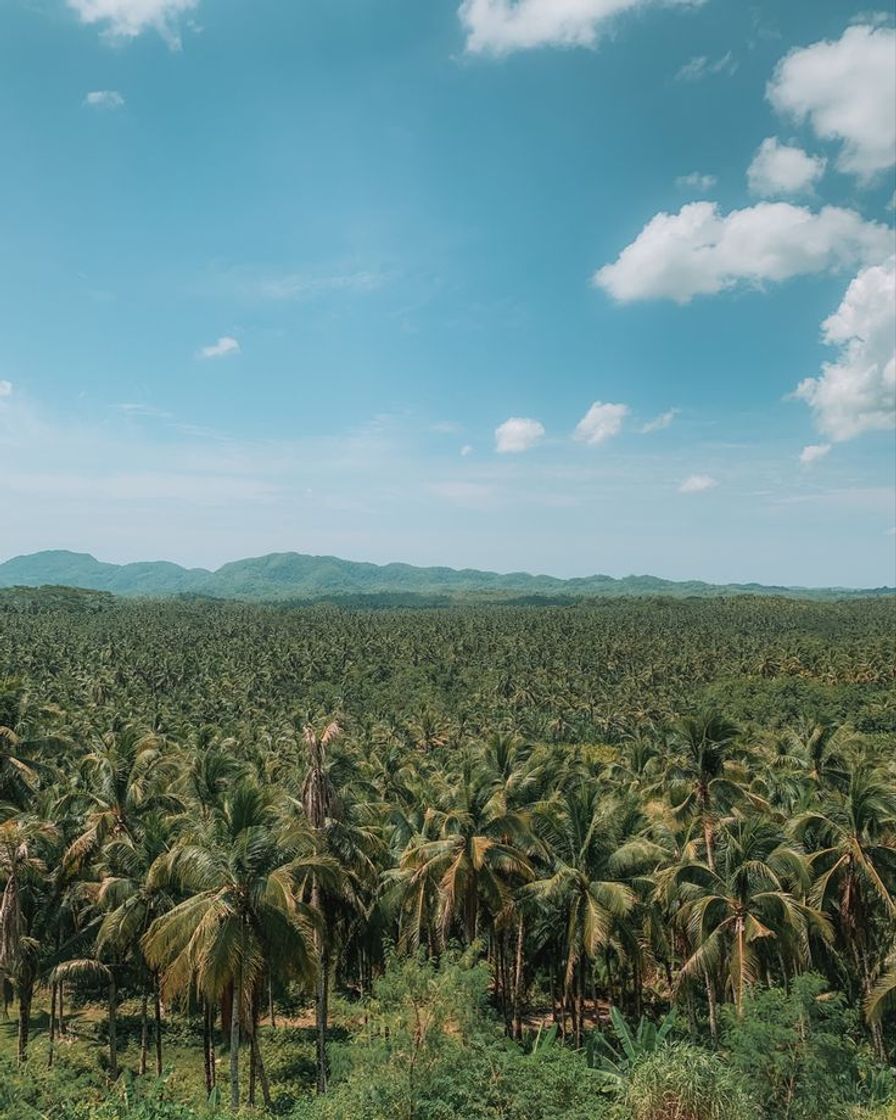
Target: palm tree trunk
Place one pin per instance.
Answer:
(322, 1015)
(144, 1031)
(157, 1001)
(54, 989)
(711, 1008)
(113, 1030)
(207, 1046)
(235, 1048)
(26, 992)
(518, 981)
(262, 1073)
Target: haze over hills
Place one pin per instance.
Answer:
(293, 575)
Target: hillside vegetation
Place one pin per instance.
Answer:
(291, 575)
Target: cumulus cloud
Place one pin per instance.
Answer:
(846, 90)
(659, 422)
(467, 449)
(518, 434)
(223, 348)
(696, 181)
(126, 19)
(700, 67)
(503, 26)
(780, 169)
(857, 392)
(813, 452)
(700, 251)
(600, 422)
(697, 483)
(104, 99)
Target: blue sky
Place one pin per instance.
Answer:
(347, 276)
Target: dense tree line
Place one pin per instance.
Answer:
(216, 809)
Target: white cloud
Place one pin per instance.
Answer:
(696, 181)
(779, 169)
(503, 26)
(5, 389)
(814, 452)
(125, 19)
(700, 67)
(600, 422)
(223, 348)
(700, 251)
(697, 483)
(857, 393)
(518, 434)
(659, 422)
(467, 449)
(846, 89)
(104, 99)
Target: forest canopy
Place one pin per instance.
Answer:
(630, 858)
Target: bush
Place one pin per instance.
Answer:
(683, 1082)
(798, 1051)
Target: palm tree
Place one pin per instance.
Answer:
(478, 852)
(318, 801)
(131, 900)
(584, 887)
(27, 851)
(242, 917)
(852, 842)
(123, 777)
(701, 776)
(751, 899)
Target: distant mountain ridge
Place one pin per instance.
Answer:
(293, 575)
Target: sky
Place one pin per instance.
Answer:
(565, 286)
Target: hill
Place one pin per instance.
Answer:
(293, 575)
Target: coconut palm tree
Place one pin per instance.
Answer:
(242, 917)
(701, 776)
(750, 900)
(851, 838)
(28, 849)
(585, 886)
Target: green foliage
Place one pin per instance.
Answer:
(430, 1050)
(617, 1061)
(683, 1082)
(798, 1050)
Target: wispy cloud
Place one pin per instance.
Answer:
(701, 66)
(225, 347)
(104, 99)
(5, 389)
(696, 181)
(697, 484)
(659, 422)
(813, 452)
(254, 282)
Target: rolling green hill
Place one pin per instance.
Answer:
(292, 575)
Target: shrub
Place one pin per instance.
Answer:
(683, 1082)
